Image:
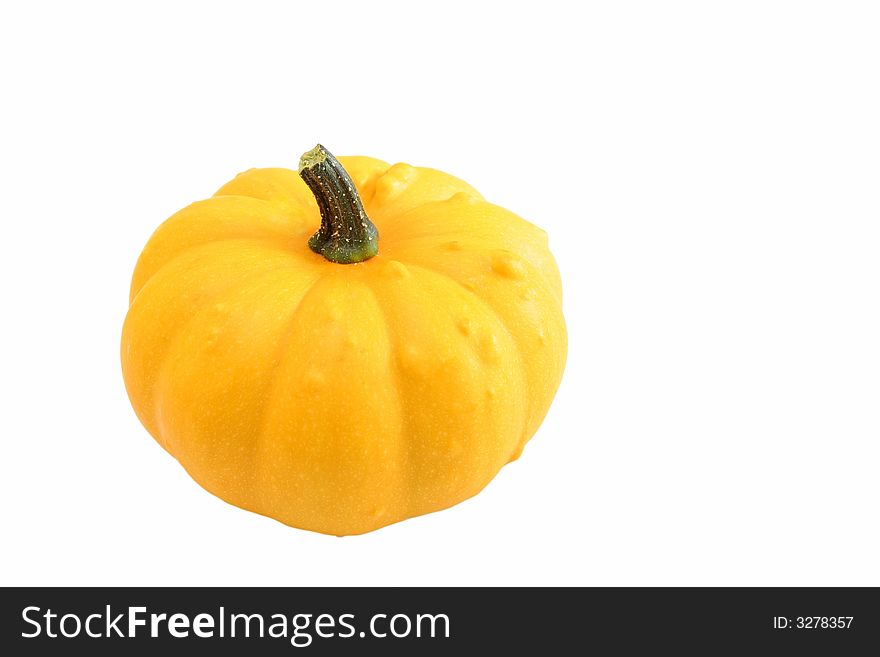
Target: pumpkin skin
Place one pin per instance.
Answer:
(340, 398)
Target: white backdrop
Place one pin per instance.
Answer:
(707, 172)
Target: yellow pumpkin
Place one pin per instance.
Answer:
(385, 368)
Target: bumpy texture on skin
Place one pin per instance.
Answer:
(342, 398)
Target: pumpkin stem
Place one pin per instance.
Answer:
(346, 234)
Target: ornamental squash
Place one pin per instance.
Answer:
(384, 367)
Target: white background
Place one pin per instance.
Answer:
(708, 174)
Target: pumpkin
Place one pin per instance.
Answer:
(384, 367)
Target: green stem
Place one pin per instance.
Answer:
(346, 234)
